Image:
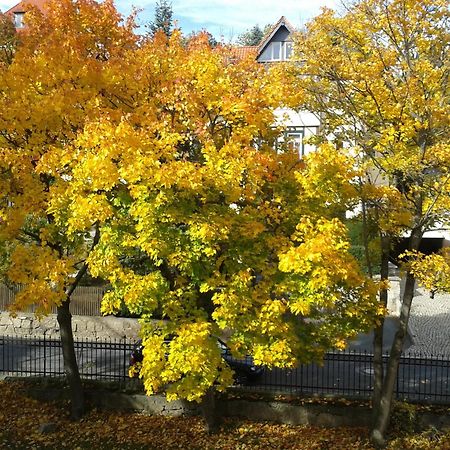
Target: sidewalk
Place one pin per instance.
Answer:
(429, 323)
(428, 327)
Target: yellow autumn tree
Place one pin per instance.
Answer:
(154, 166)
(227, 238)
(378, 75)
(62, 75)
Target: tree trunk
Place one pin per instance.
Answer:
(70, 362)
(378, 376)
(209, 411)
(383, 414)
(381, 422)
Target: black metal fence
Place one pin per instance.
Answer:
(349, 374)
(23, 356)
(346, 374)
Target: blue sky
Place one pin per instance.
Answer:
(224, 18)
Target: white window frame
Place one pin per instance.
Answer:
(18, 19)
(282, 54)
(294, 137)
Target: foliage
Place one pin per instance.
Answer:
(163, 19)
(379, 78)
(356, 231)
(193, 35)
(253, 36)
(404, 419)
(154, 165)
(189, 181)
(383, 85)
(432, 271)
(8, 39)
(65, 72)
(46, 93)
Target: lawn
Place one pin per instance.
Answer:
(21, 420)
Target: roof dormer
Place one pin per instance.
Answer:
(277, 44)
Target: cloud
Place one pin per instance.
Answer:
(5, 5)
(223, 16)
(233, 16)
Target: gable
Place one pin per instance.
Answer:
(277, 44)
(278, 48)
(282, 34)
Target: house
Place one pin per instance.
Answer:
(17, 12)
(277, 46)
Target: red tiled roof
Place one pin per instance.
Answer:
(244, 51)
(22, 6)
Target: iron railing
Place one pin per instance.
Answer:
(347, 374)
(23, 356)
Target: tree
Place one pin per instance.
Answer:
(163, 153)
(163, 19)
(379, 77)
(65, 71)
(8, 39)
(189, 182)
(253, 36)
(194, 35)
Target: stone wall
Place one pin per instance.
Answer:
(308, 414)
(84, 327)
(323, 415)
(272, 411)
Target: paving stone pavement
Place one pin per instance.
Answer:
(429, 323)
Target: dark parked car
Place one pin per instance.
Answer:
(245, 371)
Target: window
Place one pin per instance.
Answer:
(18, 19)
(295, 142)
(278, 51)
(288, 50)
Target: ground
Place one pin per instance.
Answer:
(28, 424)
(430, 316)
(428, 330)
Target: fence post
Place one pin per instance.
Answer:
(45, 357)
(125, 359)
(4, 350)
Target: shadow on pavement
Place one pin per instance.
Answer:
(364, 342)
